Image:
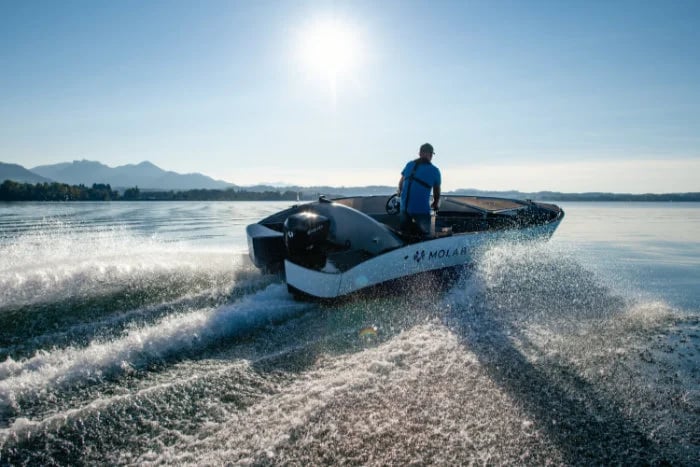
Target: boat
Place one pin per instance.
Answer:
(332, 248)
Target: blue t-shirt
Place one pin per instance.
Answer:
(419, 197)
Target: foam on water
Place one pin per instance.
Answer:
(58, 263)
(587, 334)
(174, 335)
(541, 294)
(295, 416)
(532, 358)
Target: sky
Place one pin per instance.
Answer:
(539, 95)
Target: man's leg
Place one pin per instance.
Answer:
(406, 223)
(422, 223)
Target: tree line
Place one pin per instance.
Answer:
(15, 191)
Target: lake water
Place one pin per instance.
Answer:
(136, 333)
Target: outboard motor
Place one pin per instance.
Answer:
(304, 232)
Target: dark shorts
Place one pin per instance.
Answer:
(415, 224)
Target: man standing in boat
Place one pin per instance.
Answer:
(417, 179)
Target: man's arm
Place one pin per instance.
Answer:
(436, 197)
(400, 185)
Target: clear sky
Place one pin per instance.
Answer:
(593, 95)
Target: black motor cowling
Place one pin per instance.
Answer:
(304, 232)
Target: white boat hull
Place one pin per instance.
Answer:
(430, 255)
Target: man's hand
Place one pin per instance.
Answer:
(436, 198)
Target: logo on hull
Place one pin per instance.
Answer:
(420, 255)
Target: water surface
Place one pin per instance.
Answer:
(138, 333)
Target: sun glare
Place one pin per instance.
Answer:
(331, 50)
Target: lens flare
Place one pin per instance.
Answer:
(369, 331)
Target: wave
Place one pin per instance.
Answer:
(528, 354)
(172, 336)
(59, 263)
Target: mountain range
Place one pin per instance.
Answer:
(19, 174)
(144, 175)
(149, 177)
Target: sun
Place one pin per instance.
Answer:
(331, 49)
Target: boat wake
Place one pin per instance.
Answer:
(66, 265)
(178, 335)
(529, 358)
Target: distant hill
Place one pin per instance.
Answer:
(326, 190)
(18, 173)
(151, 178)
(587, 196)
(144, 175)
(311, 192)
